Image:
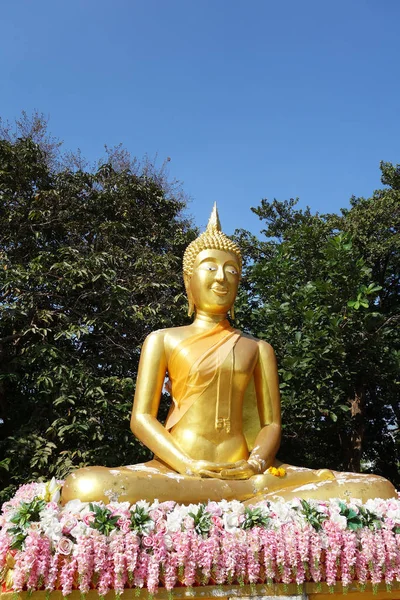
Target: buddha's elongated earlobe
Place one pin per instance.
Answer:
(186, 279)
(190, 305)
(232, 312)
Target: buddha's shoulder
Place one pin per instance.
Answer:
(169, 334)
(262, 346)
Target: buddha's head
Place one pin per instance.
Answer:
(212, 267)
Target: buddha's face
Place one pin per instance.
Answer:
(214, 282)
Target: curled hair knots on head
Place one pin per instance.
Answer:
(212, 239)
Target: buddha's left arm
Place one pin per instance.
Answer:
(266, 383)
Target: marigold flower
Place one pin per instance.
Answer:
(277, 472)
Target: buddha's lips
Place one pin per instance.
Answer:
(220, 291)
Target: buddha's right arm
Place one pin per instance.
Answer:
(144, 422)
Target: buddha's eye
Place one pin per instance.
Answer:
(209, 267)
(232, 270)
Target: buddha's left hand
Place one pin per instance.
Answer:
(239, 470)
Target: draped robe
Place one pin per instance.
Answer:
(195, 364)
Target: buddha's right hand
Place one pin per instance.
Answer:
(205, 468)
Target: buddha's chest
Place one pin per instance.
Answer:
(233, 361)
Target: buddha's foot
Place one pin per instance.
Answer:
(325, 474)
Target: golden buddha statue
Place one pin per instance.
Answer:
(223, 429)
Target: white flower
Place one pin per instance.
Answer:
(394, 515)
(339, 520)
(225, 505)
(353, 506)
(79, 530)
(193, 508)
(41, 490)
(237, 507)
(231, 521)
(375, 506)
(148, 527)
(295, 503)
(174, 522)
(334, 507)
(56, 496)
(143, 504)
(74, 506)
(282, 512)
(53, 490)
(52, 528)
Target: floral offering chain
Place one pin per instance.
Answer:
(84, 546)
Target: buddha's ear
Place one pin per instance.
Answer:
(186, 279)
(232, 312)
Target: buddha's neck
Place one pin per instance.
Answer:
(205, 320)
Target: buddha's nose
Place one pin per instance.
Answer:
(220, 274)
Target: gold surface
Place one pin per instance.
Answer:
(228, 591)
(224, 427)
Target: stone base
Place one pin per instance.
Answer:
(308, 591)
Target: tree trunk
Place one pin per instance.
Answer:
(356, 438)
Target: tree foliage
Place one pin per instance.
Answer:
(90, 264)
(324, 291)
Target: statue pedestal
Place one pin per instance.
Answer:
(308, 591)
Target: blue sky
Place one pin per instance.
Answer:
(249, 99)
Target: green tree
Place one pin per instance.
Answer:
(324, 291)
(90, 264)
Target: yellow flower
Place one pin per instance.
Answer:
(280, 472)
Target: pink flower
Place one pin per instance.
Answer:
(214, 509)
(67, 576)
(153, 573)
(147, 541)
(117, 548)
(68, 524)
(124, 525)
(53, 572)
(217, 522)
(85, 561)
(161, 525)
(167, 506)
(88, 518)
(5, 542)
(156, 514)
(131, 551)
(65, 546)
(188, 522)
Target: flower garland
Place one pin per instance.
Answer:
(96, 546)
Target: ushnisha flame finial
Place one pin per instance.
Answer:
(211, 239)
(214, 224)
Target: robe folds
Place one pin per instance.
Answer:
(196, 364)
